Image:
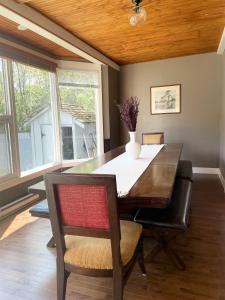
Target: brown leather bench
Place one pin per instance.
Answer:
(164, 224)
(184, 170)
(40, 210)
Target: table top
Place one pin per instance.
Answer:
(152, 189)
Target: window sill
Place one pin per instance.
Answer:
(39, 169)
(75, 161)
(37, 172)
(28, 175)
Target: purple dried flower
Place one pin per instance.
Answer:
(129, 112)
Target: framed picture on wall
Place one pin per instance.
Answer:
(165, 99)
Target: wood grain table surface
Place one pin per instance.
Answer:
(152, 189)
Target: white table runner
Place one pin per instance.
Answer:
(128, 171)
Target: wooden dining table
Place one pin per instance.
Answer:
(153, 189)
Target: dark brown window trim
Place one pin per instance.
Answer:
(24, 57)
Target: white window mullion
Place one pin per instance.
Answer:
(99, 117)
(56, 118)
(13, 129)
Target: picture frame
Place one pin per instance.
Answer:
(165, 99)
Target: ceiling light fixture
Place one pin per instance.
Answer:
(139, 14)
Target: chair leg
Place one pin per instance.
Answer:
(163, 244)
(62, 276)
(175, 258)
(177, 261)
(117, 286)
(150, 256)
(141, 259)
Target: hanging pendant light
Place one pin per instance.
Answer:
(139, 14)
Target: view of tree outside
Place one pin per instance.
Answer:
(32, 96)
(32, 92)
(77, 87)
(34, 120)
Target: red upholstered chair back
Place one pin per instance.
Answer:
(83, 205)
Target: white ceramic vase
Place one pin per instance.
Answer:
(133, 148)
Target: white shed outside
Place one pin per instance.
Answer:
(78, 130)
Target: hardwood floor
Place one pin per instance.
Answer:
(27, 267)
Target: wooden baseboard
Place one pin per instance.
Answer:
(213, 171)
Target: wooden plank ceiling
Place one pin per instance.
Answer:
(9, 29)
(174, 27)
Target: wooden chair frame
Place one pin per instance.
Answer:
(153, 133)
(119, 272)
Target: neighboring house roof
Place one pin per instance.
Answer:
(75, 110)
(78, 112)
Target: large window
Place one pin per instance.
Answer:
(27, 132)
(33, 116)
(78, 102)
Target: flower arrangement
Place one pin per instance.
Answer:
(129, 112)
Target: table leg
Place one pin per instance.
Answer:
(51, 243)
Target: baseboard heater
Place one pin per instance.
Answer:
(18, 205)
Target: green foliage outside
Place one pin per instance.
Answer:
(77, 95)
(32, 91)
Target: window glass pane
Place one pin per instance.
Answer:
(33, 115)
(67, 139)
(2, 93)
(78, 77)
(78, 90)
(5, 163)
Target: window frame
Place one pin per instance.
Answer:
(79, 66)
(53, 101)
(10, 120)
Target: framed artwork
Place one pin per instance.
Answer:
(165, 99)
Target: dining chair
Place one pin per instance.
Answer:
(152, 138)
(90, 239)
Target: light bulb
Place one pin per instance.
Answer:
(134, 20)
(138, 17)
